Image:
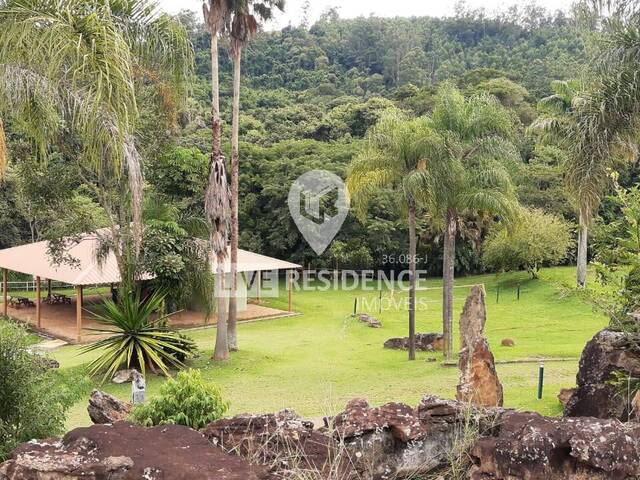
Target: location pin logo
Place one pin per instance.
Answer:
(318, 205)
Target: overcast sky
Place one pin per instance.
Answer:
(354, 8)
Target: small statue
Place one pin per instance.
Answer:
(137, 388)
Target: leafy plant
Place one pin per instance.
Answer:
(186, 400)
(34, 400)
(137, 339)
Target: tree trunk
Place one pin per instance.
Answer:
(216, 208)
(448, 263)
(412, 280)
(221, 350)
(583, 234)
(235, 172)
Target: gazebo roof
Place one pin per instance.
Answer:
(33, 259)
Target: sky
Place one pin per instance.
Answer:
(385, 8)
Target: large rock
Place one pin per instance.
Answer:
(124, 451)
(425, 342)
(479, 383)
(104, 408)
(396, 441)
(527, 446)
(605, 354)
(372, 322)
(282, 440)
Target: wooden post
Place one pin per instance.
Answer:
(5, 293)
(259, 286)
(38, 303)
(290, 282)
(78, 313)
(48, 288)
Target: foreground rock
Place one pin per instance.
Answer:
(529, 446)
(124, 451)
(605, 354)
(479, 383)
(370, 321)
(283, 440)
(104, 408)
(425, 342)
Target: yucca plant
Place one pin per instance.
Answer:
(135, 338)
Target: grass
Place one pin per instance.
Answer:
(317, 361)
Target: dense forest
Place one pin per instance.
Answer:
(309, 94)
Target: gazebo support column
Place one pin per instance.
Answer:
(78, 313)
(48, 288)
(5, 293)
(290, 288)
(259, 286)
(38, 303)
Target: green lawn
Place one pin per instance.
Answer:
(317, 361)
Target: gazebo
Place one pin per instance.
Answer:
(85, 270)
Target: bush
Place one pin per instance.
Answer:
(186, 400)
(33, 400)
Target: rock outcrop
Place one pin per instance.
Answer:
(604, 355)
(104, 408)
(565, 396)
(479, 383)
(370, 321)
(124, 451)
(282, 440)
(528, 446)
(425, 342)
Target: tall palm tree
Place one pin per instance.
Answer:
(469, 175)
(216, 16)
(585, 170)
(394, 157)
(75, 63)
(244, 25)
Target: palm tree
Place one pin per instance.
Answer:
(244, 26)
(585, 170)
(75, 63)
(394, 157)
(216, 15)
(469, 175)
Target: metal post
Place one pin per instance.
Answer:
(355, 306)
(540, 379)
(518, 294)
(38, 303)
(380, 301)
(498, 294)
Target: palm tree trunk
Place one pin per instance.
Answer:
(583, 234)
(221, 350)
(235, 172)
(412, 280)
(448, 263)
(216, 208)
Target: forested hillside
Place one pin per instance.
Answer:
(309, 95)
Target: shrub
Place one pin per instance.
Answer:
(136, 339)
(33, 399)
(186, 400)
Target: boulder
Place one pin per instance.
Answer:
(425, 342)
(397, 441)
(282, 440)
(605, 354)
(507, 342)
(124, 451)
(479, 383)
(125, 376)
(565, 395)
(104, 408)
(369, 320)
(528, 446)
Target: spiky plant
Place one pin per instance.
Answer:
(137, 337)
